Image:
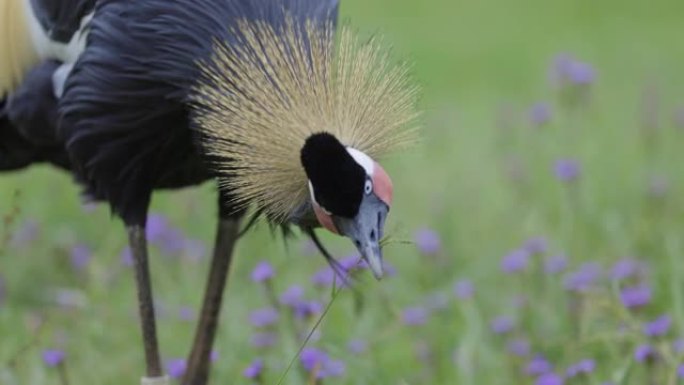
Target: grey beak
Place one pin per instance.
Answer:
(366, 231)
(373, 255)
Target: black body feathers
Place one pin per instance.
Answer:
(28, 123)
(125, 118)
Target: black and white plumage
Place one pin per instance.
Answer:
(62, 20)
(170, 93)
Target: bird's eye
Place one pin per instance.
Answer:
(369, 187)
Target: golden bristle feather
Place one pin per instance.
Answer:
(261, 99)
(17, 54)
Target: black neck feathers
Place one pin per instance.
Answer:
(337, 179)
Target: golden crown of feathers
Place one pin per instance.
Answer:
(262, 98)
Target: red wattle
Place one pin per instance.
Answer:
(324, 219)
(382, 184)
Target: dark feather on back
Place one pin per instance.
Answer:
(125, 115)
(28, 123)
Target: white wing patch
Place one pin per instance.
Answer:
(49, 49)
(59, 78)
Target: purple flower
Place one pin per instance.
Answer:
(292, 296)
(555, 264)
(159, 232)
(584, 278)
(332, 368)
(176, 367)
(536, 245)
(567, 69)
(264, 317)
(307, 309)
(186, 314)
(644, 353)
(581, 73)
(53, 357)
(549, 379)
(583, 367)
(519, 347)
(263, 340)
(323, 277)
(313, 358)
(678, 346)
(428, 241)
(25, 234)
(126, 257)
(464, 289)
(415, 316)
(502, 324)
(353, 262)
(262, 272)
(155, 228)
(390, 270)
(255, 369)
(515, 261)
(195, 250)
(567, 170)
(540, 113)
(658, 327)
(635, 296)
(538, 365)
(357, 346)
(680, 371)
(625, 268)
(214, 356)
(80, 256)
(172, 242)
(561, 67)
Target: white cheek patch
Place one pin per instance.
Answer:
(364, 160)
(313, 200)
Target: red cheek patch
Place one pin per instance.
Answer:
(324, 219)
(382, 184)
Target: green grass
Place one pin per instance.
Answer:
(479, 62)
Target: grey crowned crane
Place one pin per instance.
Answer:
(271, 99)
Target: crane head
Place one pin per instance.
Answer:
(350, 193)
(292, 119)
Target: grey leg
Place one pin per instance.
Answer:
(138, 244)
(198, 362)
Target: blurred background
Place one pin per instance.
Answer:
(538, 226)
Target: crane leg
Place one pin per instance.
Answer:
(138, 244)
(197, 372)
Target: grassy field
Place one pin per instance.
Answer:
(544, 207)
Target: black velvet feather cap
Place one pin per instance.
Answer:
(337, 179)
